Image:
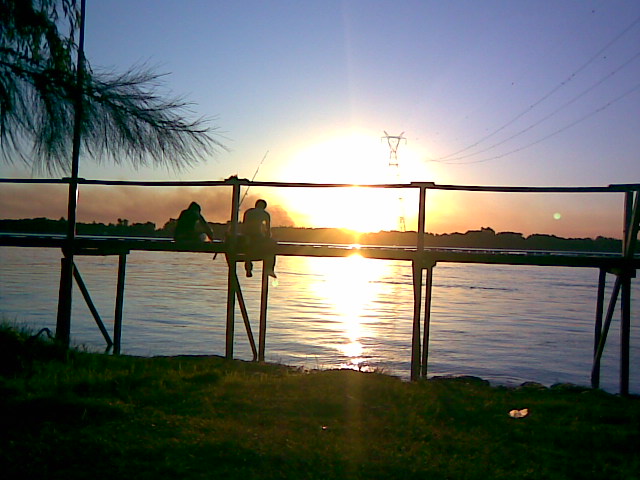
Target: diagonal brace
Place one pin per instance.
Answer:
(91, 305)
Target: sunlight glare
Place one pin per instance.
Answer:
(350, 285)
(354, 159)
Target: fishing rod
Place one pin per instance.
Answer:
(253, 178)
(247, 190)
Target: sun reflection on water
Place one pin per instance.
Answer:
(349, 285)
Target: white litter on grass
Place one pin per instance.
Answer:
(519, 413)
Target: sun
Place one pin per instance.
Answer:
(354, 159)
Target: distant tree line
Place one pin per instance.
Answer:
(483, 238)
(122, 227)
(45, 225)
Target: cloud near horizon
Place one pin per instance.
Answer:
(136, 204)
(561, 215)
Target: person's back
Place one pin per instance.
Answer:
(256, 222)
(256, 227)
(191, 226)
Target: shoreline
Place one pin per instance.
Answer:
(462, 378)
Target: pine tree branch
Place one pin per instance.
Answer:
(124, 120)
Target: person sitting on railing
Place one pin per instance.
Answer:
(191, 226)
(256, 228)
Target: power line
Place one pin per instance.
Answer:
(546, 117)
(547, 95)
(556, 132)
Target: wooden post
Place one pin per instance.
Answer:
(117, 321)
(595, 372)
(264, 297)
(415, 335)
(232, 261)
(63, 321)
(421, 219)
(416, 357)
(605, 327)
(631, 225)
(625, 331)
(427, 320)
(628, 214)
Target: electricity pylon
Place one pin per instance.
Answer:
(394, 142)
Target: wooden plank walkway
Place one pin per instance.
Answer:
(98, 245)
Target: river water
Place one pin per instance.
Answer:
(507, 324)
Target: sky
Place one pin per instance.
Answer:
(492, 93)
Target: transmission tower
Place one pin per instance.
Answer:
(394, 142)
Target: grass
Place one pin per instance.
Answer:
(71, 414)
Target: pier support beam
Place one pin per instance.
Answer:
(231, 306)
(92, 308)
(415, 336)
(232, 262)
(417, 365)
(427, 321)
(625, 333)
(264, 299)
(631, 227)
(117, 321)
(602, 335)
(245, 317)
(595, 371)
(622, 288)
(63, 322)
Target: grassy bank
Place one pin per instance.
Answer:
(78, 415)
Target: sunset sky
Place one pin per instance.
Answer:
(510, 92)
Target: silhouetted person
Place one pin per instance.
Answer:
(256, 227)
(191, 225)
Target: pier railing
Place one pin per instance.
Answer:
(622, 266)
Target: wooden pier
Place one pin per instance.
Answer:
(622, 265)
